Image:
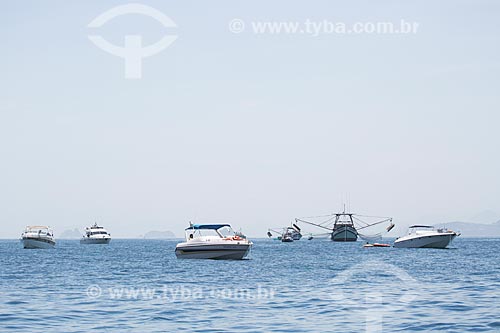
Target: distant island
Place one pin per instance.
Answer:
(158, 235)
(468, 229)
(70, 234)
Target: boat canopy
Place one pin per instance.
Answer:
(208, 226)
(421, 226)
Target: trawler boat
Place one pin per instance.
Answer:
(426, 236)
(38, 237)
(345, 227)
(212, 241)
(96, 235)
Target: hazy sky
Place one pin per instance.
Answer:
(248, 129)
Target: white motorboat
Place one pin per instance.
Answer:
(426, 236)
(212, 241)
(96, 235)
(38, 237)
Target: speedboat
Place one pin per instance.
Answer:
(96, 235)
(212, 241)
(38, 237)
(426, 236)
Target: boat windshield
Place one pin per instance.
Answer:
(224, 231)
(41, 230)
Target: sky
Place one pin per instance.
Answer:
(246, 128)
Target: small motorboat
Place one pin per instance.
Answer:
(286, 234)
(212, 241)
(420, 236)
(376, 245)
(38, 237)
(96, 235)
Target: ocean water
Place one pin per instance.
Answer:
(305, 286)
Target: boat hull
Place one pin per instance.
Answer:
(212, 251)
(344, 234)
(434, 241)
(88, 241)
(34, 243)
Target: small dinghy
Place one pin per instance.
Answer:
(376, 245)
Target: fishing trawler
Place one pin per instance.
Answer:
(345, 227)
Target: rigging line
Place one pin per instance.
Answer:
(325, 222)
(317, 225)
(389, 219)
(359, 220)
(376, 217)
(370, 237)
(377, 234)
(320, 223)
(315, 217)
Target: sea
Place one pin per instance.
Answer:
(305, 286)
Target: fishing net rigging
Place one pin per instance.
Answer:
(369, 228)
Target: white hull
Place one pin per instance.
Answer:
(31, 243)
(212, 251)
(88, 240)
(437, 241)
